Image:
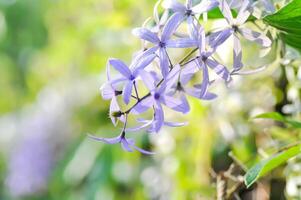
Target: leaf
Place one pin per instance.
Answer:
(278, 117)
(288, 20)
(265, 166)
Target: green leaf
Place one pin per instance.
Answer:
(266, 166)
(288, 20)
(278, 117)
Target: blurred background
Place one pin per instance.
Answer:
(52, 63)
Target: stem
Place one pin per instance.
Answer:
(136, 91)
(187, 56)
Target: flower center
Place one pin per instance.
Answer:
(235, 28)
(162, 44)
(157, 96)
(179, 86)
(117, 93)
(188, 12)
(204, 58)
(132, 77)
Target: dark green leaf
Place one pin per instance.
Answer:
(288, 20)
(265, 166)
(278, 117)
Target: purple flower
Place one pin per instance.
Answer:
(189, 11)
(157, 97)
(129, 74)
(109, 92)
(204, 61)
(235, 28)
(150, 123)
(164, 41)
(178, 85)
(127, 144)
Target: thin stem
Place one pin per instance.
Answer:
(124, 126)
(136, 91)
(189, 61)
(187, 56)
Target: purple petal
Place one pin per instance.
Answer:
(188, 72)
(125, 145)
(205, 6)
(143, 151)
(226, 11)
(114, 107)
(127, 92)
(237, 54)
(146, 34)
(219, 69)
(159, 117)
(175, 104)
(188, 4)
(171, 25)
(146, 53)
(218, 38)
(121, 67)
(114, 140)
(243, 13)
(148, 80)
(143, 106)
(171, 79)
(174, 6)
(107, 92)
(145, 124)
(255, 37)
(143, 62)
(181, 43)
(164, 63)
(175, 124)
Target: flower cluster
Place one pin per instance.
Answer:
(169, 85)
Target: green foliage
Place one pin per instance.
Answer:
(288, 21)
(278, 117)
(266, 166)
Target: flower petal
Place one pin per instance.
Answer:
(107, 92)
(181, 43)
(243, 13)
(218, 38)
(174, 6)
(121, 67)
(219, 69)
(159, 117)
(125, 145)
(237, 54)
(143, 106)
(175, 124)
(114, 140)
(114, 107)
(171, 25)
(142, 63)
(255, 37)
(127, 92)
(188, 72)
(148, 80)
(164, 63)
(205, 6)
(175, 104)
(146, 34)
(226, 11)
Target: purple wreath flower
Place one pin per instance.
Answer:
(235, 28)
(127, 144)
(157, 97)
(164, 41)
(189, 11)
(204, 61)
(130, 74)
